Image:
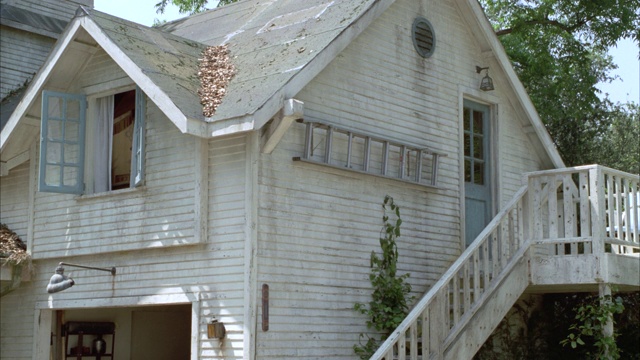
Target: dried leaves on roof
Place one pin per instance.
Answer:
(215, 71)
(11, 246)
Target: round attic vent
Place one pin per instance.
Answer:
(423, 36)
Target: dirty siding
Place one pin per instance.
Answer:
(59, 9)
(318, 225)
(133, 229)
(21, 56)
(156, 217)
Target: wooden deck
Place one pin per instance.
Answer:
(574, 229)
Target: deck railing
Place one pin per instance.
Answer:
(585, 210)
(580, 210)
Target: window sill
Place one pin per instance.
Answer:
(111, 193)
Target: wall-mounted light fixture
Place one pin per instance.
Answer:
(216, 330)
(59, 281)
(486, 84)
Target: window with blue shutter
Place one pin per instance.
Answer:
(115, 135)
(62, 143)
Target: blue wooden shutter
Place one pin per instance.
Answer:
(137, 156)
(62, 143)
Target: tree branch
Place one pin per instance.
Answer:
(546, 22)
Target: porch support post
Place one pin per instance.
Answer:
(607, 329)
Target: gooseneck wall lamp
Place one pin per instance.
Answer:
(59, 281)
(486, 84)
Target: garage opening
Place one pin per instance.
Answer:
(160, 332)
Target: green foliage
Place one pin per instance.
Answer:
(390, 297)
(189, 6)
(534, 327)
(619, 145)
(558, 49)
(591, 320)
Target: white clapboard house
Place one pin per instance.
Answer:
(246, 234)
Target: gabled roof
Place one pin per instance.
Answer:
(163, 65)
(277, 47)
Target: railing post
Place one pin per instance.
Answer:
(437, 329)
(598, 214)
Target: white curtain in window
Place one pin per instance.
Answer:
(102, 148)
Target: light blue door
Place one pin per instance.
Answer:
(477, 174)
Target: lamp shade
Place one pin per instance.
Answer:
(59, 281)
(486, 84)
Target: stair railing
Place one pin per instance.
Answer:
(444, 310)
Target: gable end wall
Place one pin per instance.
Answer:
(318, 225)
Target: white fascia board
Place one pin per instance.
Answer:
(523, 97)
(155, 94)
(231, 126)
(38, 81)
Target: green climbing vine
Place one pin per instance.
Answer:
(591, 319)
(390, 297)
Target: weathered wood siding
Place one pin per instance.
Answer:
(517, 154)
(158, 215)
(14, 204)
(21, 55)
(318, 225)
(59, 9)
(210, 273)
(23, 52)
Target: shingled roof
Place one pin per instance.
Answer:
(271, 43)
(276, 47)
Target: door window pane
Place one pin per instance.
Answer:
(467, 171)
(478, 173)
(478, 127)
(478, 149)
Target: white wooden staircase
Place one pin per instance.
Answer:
(556, 226)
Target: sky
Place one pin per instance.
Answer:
(625, 54)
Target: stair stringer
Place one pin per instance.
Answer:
(464, 342)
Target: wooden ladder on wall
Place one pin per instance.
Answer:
(354, 151)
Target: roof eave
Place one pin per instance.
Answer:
(155, 93)
(38, 81)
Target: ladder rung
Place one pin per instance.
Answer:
(367, 151)
(434, 169)
(308, 140)
(403, 154)
(418, 165)
(385, 157)
(349, 148)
